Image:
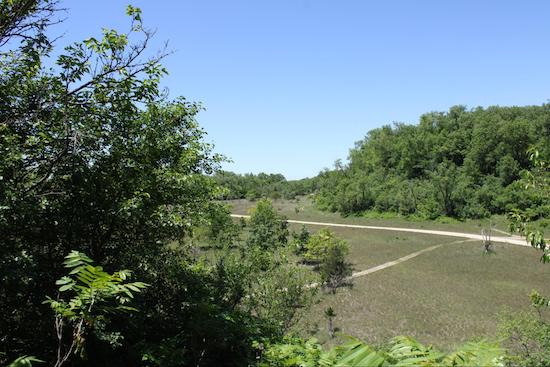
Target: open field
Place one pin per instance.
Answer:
(376, 247)
(445, 296)
(303, 209)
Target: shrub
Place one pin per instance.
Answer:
(268, 229)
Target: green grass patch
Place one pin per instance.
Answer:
(443, 297)
(304, 209)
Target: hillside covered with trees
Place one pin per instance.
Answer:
(461, 163)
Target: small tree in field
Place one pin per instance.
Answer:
(300, 240)
(330, 315)
(316, 246)
(334, 269)
(268, 229)
(329, 254)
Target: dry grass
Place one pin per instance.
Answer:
(303, 209)
(444, 297)
(369, 248)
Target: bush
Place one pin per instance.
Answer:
(333, 267)
(527, 338)
(329, 254)
(268, 229)
(221, 230)
(300, 240)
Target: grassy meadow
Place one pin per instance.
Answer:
(303, 209)
(442, 297)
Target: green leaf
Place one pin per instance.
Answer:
(66, 287)
(25, 361)
(63, 280)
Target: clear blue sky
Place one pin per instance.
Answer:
(290, 85)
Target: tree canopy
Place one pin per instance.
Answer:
(461, 163)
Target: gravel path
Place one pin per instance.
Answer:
(514, 240)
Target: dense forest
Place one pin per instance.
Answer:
(461, 163)
(109, 204)
(262, 185)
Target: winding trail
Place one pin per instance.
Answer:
(514, 240)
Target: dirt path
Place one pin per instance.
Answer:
(402, 259)
(389, 264)
(501, 231)
(515, 240)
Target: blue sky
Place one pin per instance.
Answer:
(290, 85)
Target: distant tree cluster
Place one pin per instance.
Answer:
(461, 163)
(262, 185)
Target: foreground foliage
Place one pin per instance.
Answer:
(95, 295)
(96, 158)
(401, 351)
(527, 338)
(25, 361)
(527, 335)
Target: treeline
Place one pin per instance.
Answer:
(262, 185)
(461, 163)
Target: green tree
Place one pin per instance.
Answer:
(461, 163)
(319, 244)
(96, 158)
(27, 19)
(334, 269)
(444, 179)
(329, 254)
(268, 229)
(300, 240)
